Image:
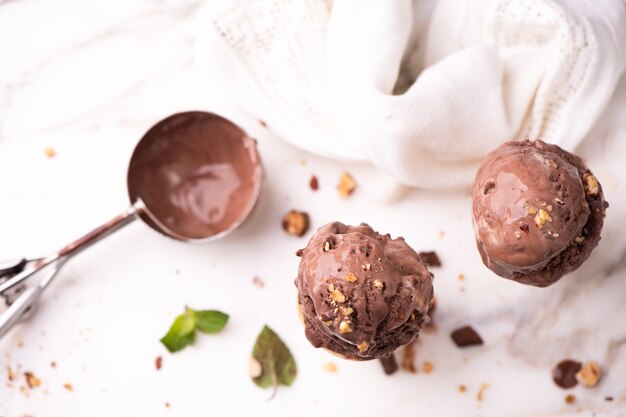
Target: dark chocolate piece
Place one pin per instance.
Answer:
(389, 363)
(430, 259)
(564, 374)
(466, 336)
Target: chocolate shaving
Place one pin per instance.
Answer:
(430, 259)
(466, 336)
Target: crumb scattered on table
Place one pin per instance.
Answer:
(461, 277)
(10, 374)
(466, 336)
(167, 405)
(481, 391)
(330, 367)
(430, 258)
(32, 380)
(258, 282)
(296, 223)
(346, 185)
(53, 364)
(158, 363)
(68, 387)
(570, 399)
(314, 183)
(589, 374)
(50, 152)
(462, 388)
(427, 367)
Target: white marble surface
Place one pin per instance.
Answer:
(87, 79)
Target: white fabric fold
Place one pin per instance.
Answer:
(325, 76)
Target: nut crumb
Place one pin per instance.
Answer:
(542, 217)
(559, 201)
(589, 374)
(50, 152)
(366, 267)
(330, 367)
(10, 374)
(32, 380)
(378, 284)
(347, 311)
(481, 391)
(517, 234)
(427, 367)
(346, 185)
(532, 210)
(579, 239)
(350, 277)
(549, 207)
(344, 327)
(167, 405)
(20, 344)
(430, 258)
(258, 282)
(462, 388)
(363, 346)
(68, 387)
(326, 246)
(296, 223)
(158, 363)
(337, 296)
(461, 277)
(591, 184)
(570, 399)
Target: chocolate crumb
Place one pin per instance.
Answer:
(390, 366)
(524, 227)
(53, 364)
(564, 374)
(466, 336)
(158, 363)
(314, 184)
(408, 357)
(167, 405)
(296, 223)
(299, 253)
(258, 282)
(430, 259)
(608, 398)
(570, 399)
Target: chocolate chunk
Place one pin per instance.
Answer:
(564, 374)
(608, 398)
(390, 366)
(314, 184)
(466, 336)
(430, 258)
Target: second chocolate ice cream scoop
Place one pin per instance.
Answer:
(537, 210)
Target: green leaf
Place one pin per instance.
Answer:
(210, 321)
(278, 367)
(182, 332)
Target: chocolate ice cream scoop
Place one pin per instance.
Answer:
(361, 294)
(537, 211)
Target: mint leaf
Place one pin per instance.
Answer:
(181, 333)
(210, 321)
(183, 330)
(278, 367)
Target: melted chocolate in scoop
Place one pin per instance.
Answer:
(197, 173)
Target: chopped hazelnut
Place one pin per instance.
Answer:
(589, 374)
(427, 367)
(347, 311)
(326, 246)
(330, 367)
(591, 184)
(296, 223)
(344, 327)
(378, 284)
(50, 152)
(346, 185)
(68, 387)
(558, 200)
(32, 380)
(350, 277)
(517, 234)
(366, 267)
(549, 207)
(542, 217)
(363, 346)
(579, 239)
(532, 209)
(337, 296)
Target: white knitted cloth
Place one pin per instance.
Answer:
(422, 91)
